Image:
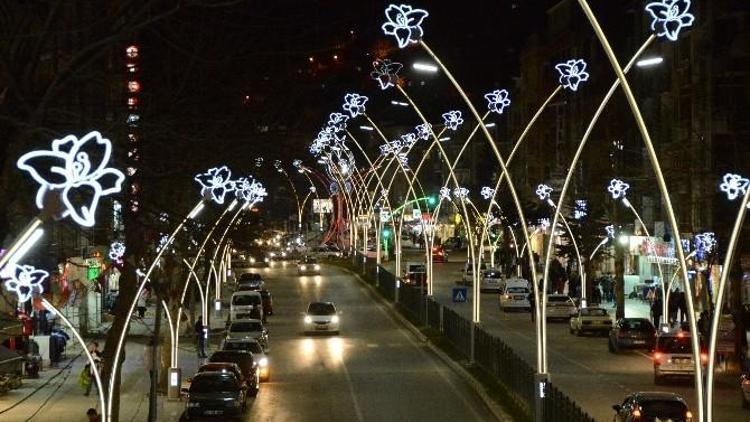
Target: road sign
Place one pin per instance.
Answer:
(459, 295)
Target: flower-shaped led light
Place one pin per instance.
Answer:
(216, 182)
(386, 72)
(403, 159)
(424, 131)
(572, 73)
(453, 119)
(354, 104)
(337, 121)
(581, 209)
(163, 240)
(461, 193)
(78, 169)
(669, 17)
(487, 192)
(297, 163)
(259, 162)
(409, 140)
(497, 100)
(404, 23)
(24, 281)
(313, 189)
(618, 188)
(116, 251)
(685, 245)
(544, 223)
(610, 231)
(705, 242)
(385, 149)
(734, 185)
(543, 191)
(445, 193)
(249, 190)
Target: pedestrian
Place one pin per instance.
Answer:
(96, 355)
(141, 306)
(92, 415)
(200, 337)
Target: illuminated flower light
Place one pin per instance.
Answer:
(116, 251)
(313, 189)
(404, 23)
(216, 182)
(337, 121)
(669, 17)
(497, 100)
(402, 157)
(572, 73)
(461, 192)
(610, 231)
(453, 119)
(424, 131)
(685, 245)
(544, 223)
(409, 140)
(487, 192)
(581, 209)
(163, 240)
(297, 163)
(386, 72)
(706, 242)
(355, 104)
(250, 190)
(333, 188)
(618, 188)
(734, 185)
(445, 193)
(543, 191)
(163, 217)
(78, 169)
(24, 281)
(277, 165)
(385, 149)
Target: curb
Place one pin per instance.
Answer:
(494, 408)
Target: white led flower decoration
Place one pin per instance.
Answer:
(487, 192)
(453, 119)
(402, 157)
(249, 190)
(297, 163)
(385, 149)
(445, 193)
(424, 131)
(734, 186)
(610, 231)
(706, 241)
(618, 188)
(669, 17)
(24, 280)
(544, 223)
(313, 189)
(581, 209)
(216, 182)
(461, 192)
(543, 191)
(277, 165)
(396, 146)
(497, 100)
(404, 23)
(386, 72)
(354, 104)
(572, 73)
(337, 121)
(409, 140)
(163, 240)
(259, 162)
(78, 169)
(116, 251)
(685, 245)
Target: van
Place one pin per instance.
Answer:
(246, 304)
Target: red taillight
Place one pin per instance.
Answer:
(637, 413)
(704, 357)
(657, 358)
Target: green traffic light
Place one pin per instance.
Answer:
(431, 200)
(386, 233)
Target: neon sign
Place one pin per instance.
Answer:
(404, 23)
(572, 73)
(78, 169)
(216, 182)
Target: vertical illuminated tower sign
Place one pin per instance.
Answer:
(133, 90)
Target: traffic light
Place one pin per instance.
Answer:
(432, 201)
(386, 233)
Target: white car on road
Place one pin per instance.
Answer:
(590, 320)
(560, 306)
(248, 329)
(514, 297)
(492, 280)
(322, 317)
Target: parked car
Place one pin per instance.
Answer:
(560, 306)
(673, 356)
(251, 281)
(246, 304)
(216, 393)
(514, 297)
(248, 329)
(632, 333)
(745, 388)
(468, 272)
(592, 320)
(266, 302)
(415, 274)
(321, 317)
(259, 354)
(439, 254)
(491, 281)
(653, 406)
(244, 360)
(308, 265)
(215, 366)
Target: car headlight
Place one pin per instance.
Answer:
(335, 319)
(308, 320)
(273, 254)
(266, 260)
(317, 267)
(283, 254)
(303, 267)
(263, 362)
(252, 260)
(193, 404)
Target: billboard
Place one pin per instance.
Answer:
(322, 206)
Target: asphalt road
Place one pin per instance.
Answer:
(581, 366)
(373, 371)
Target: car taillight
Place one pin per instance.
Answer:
(507, 296)
(689, 416)
(637, 413)
(704, 357)
(657, 358)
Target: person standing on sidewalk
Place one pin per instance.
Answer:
(200, 337)
(97, 356)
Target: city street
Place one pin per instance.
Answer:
(581, 366)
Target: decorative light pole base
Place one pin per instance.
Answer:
(175, 383)
(541, 381)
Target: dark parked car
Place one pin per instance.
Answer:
(250, 281)
(651, 406)
(216, 393)
(632, 333)
(267, 301)
(215, 367)
(244, 360)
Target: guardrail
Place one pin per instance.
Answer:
(493, 356)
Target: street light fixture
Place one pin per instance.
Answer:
(649, 61)
(424, 67)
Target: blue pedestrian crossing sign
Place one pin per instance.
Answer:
(459, 295)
